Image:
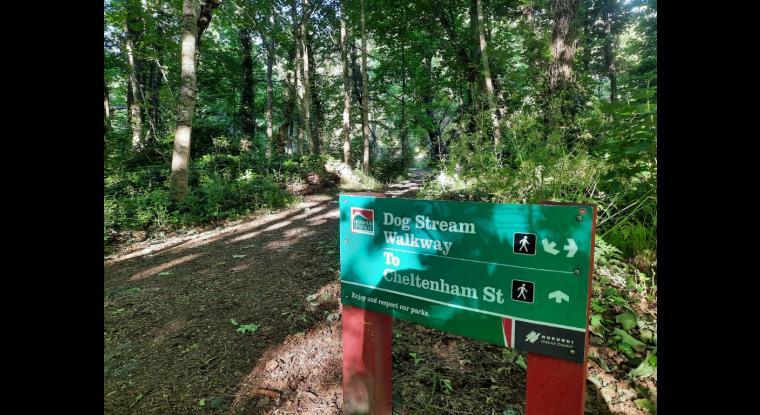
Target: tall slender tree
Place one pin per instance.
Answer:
(106, 111)
(298, 77)
(318, 115)
(365, 94)
(306, 97)
(346, 87)
(136, 102)
(247, 122)
(608, 13)
(404, 135)
(193, 25)
(487, 77)
(270, 87)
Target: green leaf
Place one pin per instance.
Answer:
(521, 362)
(238, 256)
(627, 319)
(596, 325)
(247, 328)
(638, 148)
(234, 323)
(653, 360)
(645, 369)
(596, 319)
(629, 340)
(202, 403)
(601, 362)
(165, 273)
(646, 405)
(216, 402)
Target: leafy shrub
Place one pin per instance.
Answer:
(352, 179)
(222, 186)
(390, 170)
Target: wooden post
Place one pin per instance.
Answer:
(366, 358)
(556, 386)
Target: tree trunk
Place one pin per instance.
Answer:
(203, 21)
(609, 56)
(299, 84)
(288, 98)
(588, 24)
(106, 111)
(561, 103)
(487, 78)
(246, 96)
(186, 104)
(365, 93)
(155, 100)
(316, 121)
(474, 52)
(346, 87)
(306, 84)
(432, 127)
(270, 89)
(563, 44)
(156, 83)
(356, 75)
(135, 107)
(404, 132)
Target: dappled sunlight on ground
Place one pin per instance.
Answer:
(409, 187)
(170, 306)
(163, 267)
(195, 240)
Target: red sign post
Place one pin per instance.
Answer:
(554, 386)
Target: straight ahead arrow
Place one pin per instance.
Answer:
(558, 296)
(549, 247)
(571, 248)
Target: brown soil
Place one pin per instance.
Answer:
(170, 345)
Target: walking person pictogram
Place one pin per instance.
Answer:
(524, 243)
(522, 290)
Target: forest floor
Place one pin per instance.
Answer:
(246, 319)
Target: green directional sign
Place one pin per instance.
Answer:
(513, 275)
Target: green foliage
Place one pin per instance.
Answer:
(223, 187)
(627, 319)
(389, 170)
(417, 359)
(244, 328)
(646, 405)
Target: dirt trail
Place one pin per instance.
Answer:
(169, 343)
(171, 347)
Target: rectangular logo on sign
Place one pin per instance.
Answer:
(363, 221)
(550, 341)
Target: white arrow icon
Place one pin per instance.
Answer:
(558, 296)
(572, 248)
(549, 247)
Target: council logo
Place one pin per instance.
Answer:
(532, 336)
(362, 221)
